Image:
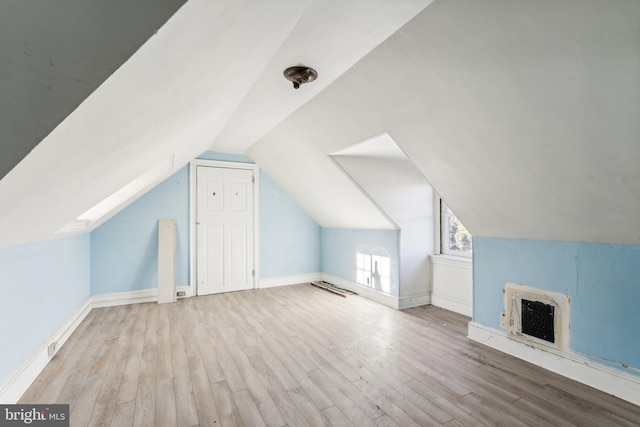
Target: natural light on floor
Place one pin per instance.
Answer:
(374, 271)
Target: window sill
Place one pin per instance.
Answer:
(452, 260)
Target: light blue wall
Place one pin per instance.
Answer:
(41, 284)
(339, 247)
(602, 280)
(289, 237)
(124, 250)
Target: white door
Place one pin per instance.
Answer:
(224, 234)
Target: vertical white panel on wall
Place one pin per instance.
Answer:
(167, 264)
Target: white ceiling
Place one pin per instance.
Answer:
(213, 72)
(524, 116)
(380, 146)
(331, 36)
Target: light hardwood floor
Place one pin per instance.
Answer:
(297, 356)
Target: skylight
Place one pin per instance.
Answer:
(113, 203)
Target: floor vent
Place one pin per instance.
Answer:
(536, 316)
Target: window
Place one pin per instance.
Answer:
(455, 239)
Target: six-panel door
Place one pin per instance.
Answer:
(224, 221)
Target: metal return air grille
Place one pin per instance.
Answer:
(538, 320)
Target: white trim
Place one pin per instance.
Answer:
(123, 298)
(414, 301)
(445, 211)
(192, 228)
(272, 282)
(192, 214)
(451, 304)
(73, 227)
(185, 289)
(609, 380)
(256, 226)
(436, 222)
(372, 294)
(133, 297)
(514, 293)
(453, 261)
(12, 389)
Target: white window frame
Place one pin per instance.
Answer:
(445, 214)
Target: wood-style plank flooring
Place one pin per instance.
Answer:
(300, 356)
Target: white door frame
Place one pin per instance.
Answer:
(192, 216)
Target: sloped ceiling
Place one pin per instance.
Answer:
(385, 173)
(331, 36)
(524, 116)
(168, 101)
(53, 54)
(211, 75)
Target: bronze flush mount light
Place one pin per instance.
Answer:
(300, 75)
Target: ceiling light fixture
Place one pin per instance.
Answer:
(300, 75)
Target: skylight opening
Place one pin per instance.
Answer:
(120, 198)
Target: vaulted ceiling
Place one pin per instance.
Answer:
(524, 116)
(55, 54)
(197, 80)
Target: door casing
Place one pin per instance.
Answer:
(192, 216)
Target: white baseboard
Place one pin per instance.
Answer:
(414, 301)
(12, 389)
(453, 261)
(123, 298)
(452, 304)
(23, 377)
(185, 289)
(133, 297)
(368, 293)
(397, 303)
(272, 282)
(609, 380)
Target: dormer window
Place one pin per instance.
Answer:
(455, 239)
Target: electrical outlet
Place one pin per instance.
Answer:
(182, 293)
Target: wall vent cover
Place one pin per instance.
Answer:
(536, 317)
(538, 320)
